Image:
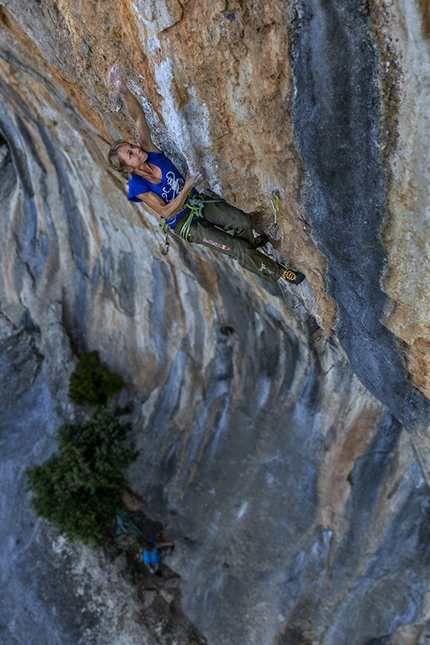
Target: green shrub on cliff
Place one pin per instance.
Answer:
(79, 488)
(91, 383)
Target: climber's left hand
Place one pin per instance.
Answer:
(117, 80)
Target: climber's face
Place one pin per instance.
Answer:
(132, 155)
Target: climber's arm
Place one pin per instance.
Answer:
(138, 115)
(170, 209)
(135, 109)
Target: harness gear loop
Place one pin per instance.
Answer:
(274, 200)
(164, 225)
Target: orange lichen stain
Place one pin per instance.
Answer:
(425, 16)
(20, 41)
(352, 438)
(418, 359)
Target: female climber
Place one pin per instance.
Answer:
(155, 181)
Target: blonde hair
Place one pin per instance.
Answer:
(114, 161)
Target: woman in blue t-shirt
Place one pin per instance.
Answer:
(155, 181)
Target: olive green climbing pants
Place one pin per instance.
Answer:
(238, 243)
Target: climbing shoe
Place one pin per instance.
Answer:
(293, 277)
(260, 240)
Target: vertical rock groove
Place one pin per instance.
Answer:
(337, 119)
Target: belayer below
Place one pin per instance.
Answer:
(152, 553)
(155, 181)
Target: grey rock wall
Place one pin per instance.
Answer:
(274, 454)
(264, 554)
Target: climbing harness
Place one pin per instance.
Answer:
(274, 229)
(196, 205)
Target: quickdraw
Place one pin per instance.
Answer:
(274, 229)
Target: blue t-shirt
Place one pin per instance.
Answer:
(152, 557)
(171, 184)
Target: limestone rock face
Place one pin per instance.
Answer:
(290, 464)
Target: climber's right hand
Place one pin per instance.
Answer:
(194, 179)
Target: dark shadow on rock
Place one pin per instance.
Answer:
(337, 116)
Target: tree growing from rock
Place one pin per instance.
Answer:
(79, 488)
(92, 383)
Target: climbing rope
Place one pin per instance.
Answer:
(195, 204)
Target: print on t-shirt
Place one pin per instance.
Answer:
(174, 186)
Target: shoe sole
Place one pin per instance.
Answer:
(293, 277)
